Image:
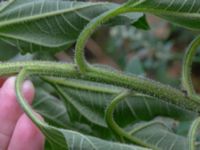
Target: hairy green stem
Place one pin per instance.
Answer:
(140, 85)
(186, 70)
(114, 126)
(44, 127)
(21, 100)
(144, 86)
(193, 133)
(39, 68)
(86, 33)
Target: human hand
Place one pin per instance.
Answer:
(17, 132)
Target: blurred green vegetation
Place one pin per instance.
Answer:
(156, 53)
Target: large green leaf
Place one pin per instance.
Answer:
(60, 139)
(77, 141)
(159, 135)
(90, 102)
(36, 25)
(51, 109)
(85, 122)
(7, 51)
(182, 12)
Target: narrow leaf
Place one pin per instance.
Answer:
(185, 13)
(38, 25)
(89, 100)
(78, 141)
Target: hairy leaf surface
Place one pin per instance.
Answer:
(78, 141)
(51, 109)
(161, 136)
(182, 12)
(37, 25)
(91, 103)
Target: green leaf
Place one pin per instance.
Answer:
(159, 135)
(62, 139)
(90, 99)
(77, 141)
(7, 51)
(193, 132)
(144, 134)
(142, 23)
(185, 13)
(38, 25)
(51, 109)
(78, 121)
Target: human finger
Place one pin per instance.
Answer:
(10, 110)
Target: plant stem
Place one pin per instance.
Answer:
(193, 133)
(86, 33)
(25, 106)
(140, 85)
(39, 68)
(115, 127)
(44, 127)
(144, 86)
(186, 71)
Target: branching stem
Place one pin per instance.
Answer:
(86, 33)
(144, 86)
(21, 100)
(140, 85)
(186, 70)
(115, 127)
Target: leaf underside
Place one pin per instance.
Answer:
(185, 13)
(78, 119)
(89, 110)
(50, 25)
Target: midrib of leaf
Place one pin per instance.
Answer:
(70, 99)
(6, 5)
(33, 42)
(46, 131)
(136, 3)
(84, 137)
(175, 11)
(48, 14)
(84, 85)
(9, 43)
(166, 5)
(164, 133)
(101, 88)
(166, 13)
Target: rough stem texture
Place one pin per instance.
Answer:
(140, 85)
(186, 71)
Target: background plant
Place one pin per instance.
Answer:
(88, 106)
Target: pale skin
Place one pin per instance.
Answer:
(17, 132)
